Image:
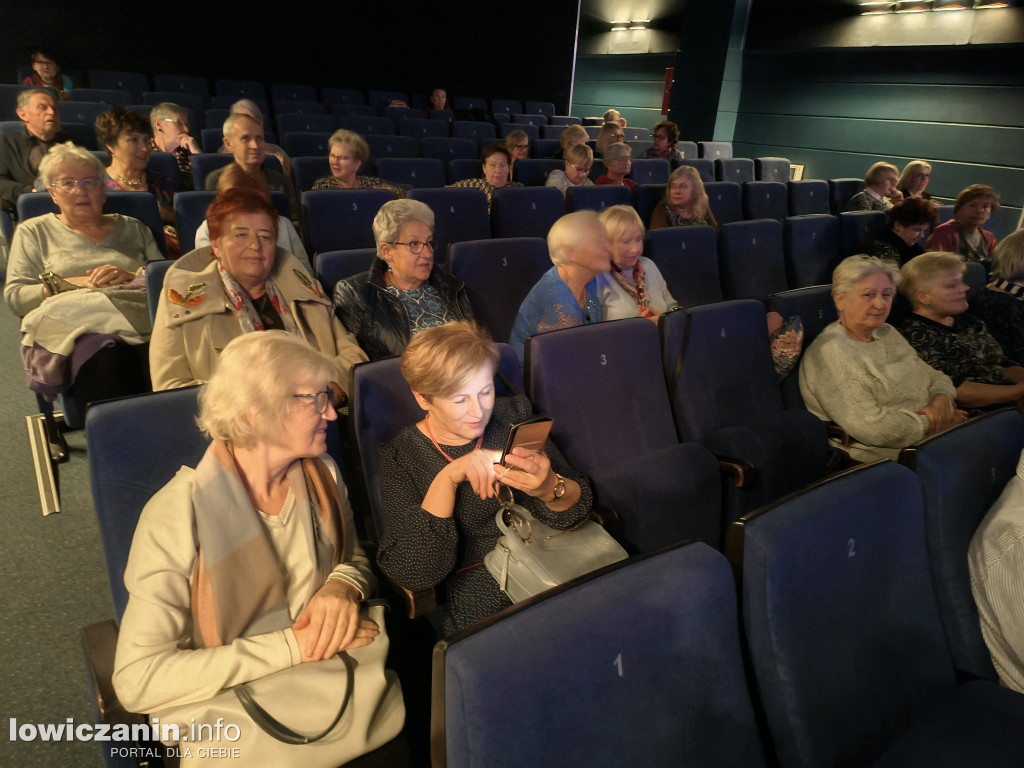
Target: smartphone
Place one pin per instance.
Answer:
(530, 434)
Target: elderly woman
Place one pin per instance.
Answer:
(634, 286)
(950, 341)
(518, 145)
(46, 74)
(496, 160)
(579, 159)
(170, 135)
(613, 116)
(686, 203)
(126, 137)
(963, 233)
(288, 239)
(881, 193)
(861, 374)
(611, 133)
(618, 160)
(82, 248)
(572, 136)
(405, 291)
(438, 476)
(914, 180)
(665, 137)
(1001, 304)
(348, 151)
(241, 283)
(249, 564)
(908, 221)
(566, 295)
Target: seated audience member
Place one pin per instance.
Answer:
(250, 564)
(613, 116)
(914, 180)
(1001, 304)
(438, 101)
(46, 74)
(861, 374)
(963, 233)
(22, 151)
(881, 193)
(665, 136)
(618, 161)
(518, 145)
(686, 203)
(996, 563)
(438, 478)
(287, 238)
(104, 257)
(239, 284)
(579, 159)
(243, 138)
(405, 291)
(249, 107)
(126, 137)
(170, 135)
(611, 133)
(496, 161)
(566, 296)
(347, 151)
(571, 136)
(957, 344)
(634, 286)
(908, 221)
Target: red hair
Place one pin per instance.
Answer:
(235, 201)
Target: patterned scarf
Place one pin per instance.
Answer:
(1005, 286)
(637, 287)
(237, 586)
(246, 313)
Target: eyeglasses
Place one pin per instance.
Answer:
(320, 400)
(45, 63)
(416, 246)
(90, 184)
(173, 121)
(623, 160)
(523, 146)
(577, 169)
(660, 137)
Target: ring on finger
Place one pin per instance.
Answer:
(507, 470)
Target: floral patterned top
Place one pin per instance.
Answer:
(425, 306)
(965, 351)
(364, 182)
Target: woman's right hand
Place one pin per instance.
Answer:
(477, 469)
(942, 414)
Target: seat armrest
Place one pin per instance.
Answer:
(100, 642)
(837, 433)
(742, 473)
(417, 603)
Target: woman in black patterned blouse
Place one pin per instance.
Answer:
(348, 151)
(950, 341)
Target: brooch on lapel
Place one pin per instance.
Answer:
(194, 296)
(308, 284)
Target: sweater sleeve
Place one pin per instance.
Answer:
(23, 291)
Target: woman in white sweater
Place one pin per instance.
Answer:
(861, 374)
(634, 286)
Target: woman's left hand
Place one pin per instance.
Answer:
(330, 621)
(527, 471)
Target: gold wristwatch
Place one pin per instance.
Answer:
(559, 487)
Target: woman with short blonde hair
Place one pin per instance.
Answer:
(347, 151)
(633, 287)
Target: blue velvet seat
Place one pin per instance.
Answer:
(771, 169)
(534, 173)
(808, 196)
(738, 169)
(750, 259)
(650, 171)
(725, 199)
(765, 200)
(811, 246)
(307, 144)
(187, 84)
(468, 129)
(340, 219)
(506, 106)
(112, 97)
(645, 198)
(715, 150)
(705, 167)
(459, 215)
(367, 124)
(857, 230)
(526, 211)
(534, 120)
(133, 82)
(447, 149)
(422, 128)
(390, 145)
(416, 172)
(189, 214)
(841, 190)
(294, 122)
(816, 309)
(687, 258)
(539, 108)
(292, 92)
(334, 266)
(596, 198)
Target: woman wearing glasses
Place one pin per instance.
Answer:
(438, 476)
(405, 291)
(618, 160)
(579, 159)
(242, 282)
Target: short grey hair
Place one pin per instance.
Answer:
(919, 273)
(572, 131)
(68, 154)
(853, 269)
(165, 110)
(394, 215)
(1008, 259)
(233, 118)
(566, 232)
(617, 152)
(877, 172)
(249, 396)
(248, 107)
(25, 96)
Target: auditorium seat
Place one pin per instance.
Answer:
(381, 99)
(552, 131)
(498, 275)
(113, 98)
(133, 82)
(534, 120)
(289, 106)
(189, 214)
(689, 149)
(294, 122)
(844, 634)
(705, 167)
(392, 146)
(343, 96)
(155, 273)
(341, 219)
(341, 109)
(506, 106)
(539, 108)
(534, 173)
(857, 230)
(241, 89)
(82, 111)
(459, 214)
(422, 128)
(469, 103)
(637, 134)
(962, 472)
(334, 266)
(596, 198)
(306, 170)
(725, 199)
(725, 395)
(306, 144)
(166, 164)
(808, 196)
(640, 147)
(546, 148)
(447, 149)
(650, 171)
(603, 386)
(367, 125)
(532, 131)
(738, 169)
(751, 260)
(841, 190)
(816, 309)
(292, 92)
(661, 688)
(715, 150)
(645, 198)
(563, 120)
(771, 169)
(464, 168)
(526, 211)
(811, 246)
(765, 200)
(181, 84)
(413, 171)
(466, 129)
(399, 114)
(687, 258)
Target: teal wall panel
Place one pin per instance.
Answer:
(632, 84)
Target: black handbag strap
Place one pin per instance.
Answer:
(282, 732)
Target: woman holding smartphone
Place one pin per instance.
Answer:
(439, 476)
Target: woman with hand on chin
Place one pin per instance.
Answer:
(685, 204)
(439, 477)
(170, 135)
(861, 374)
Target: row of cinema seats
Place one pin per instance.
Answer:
(854, 602)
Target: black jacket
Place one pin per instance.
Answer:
(16, 177)
(378, 319)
